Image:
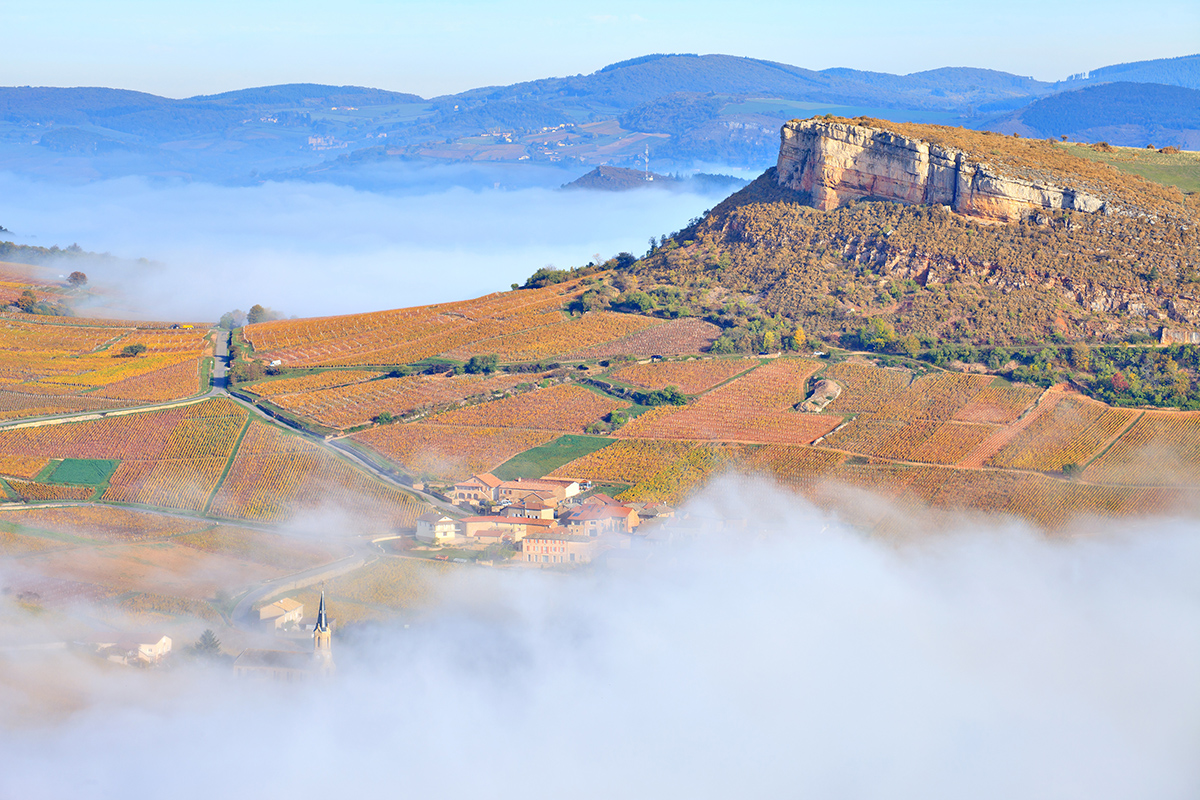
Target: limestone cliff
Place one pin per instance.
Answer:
(835, 162)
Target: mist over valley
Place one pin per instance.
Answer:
(694, 425)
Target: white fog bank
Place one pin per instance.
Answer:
(793, 659)
(312, 249)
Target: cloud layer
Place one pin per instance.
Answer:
(318, 249)
(792, 658)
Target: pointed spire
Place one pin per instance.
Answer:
(322, 623)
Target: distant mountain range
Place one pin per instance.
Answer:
(681, 111)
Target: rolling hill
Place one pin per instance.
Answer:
(688, 109)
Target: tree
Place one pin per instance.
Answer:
(385, 418)
(232, 319)
(77, 279)
(482, 364)
(133, 350)
(876, 334)
(27, 301)
(257, 313)
(909, 345)
(1081, 357)
(208, 645)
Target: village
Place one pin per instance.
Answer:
(543, 522)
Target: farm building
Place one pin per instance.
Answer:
(594, 519)
(530, 507)
(282, 614)
(476, 489)
(135, 649)
(287, 666)
(556, 548)
(435, 528)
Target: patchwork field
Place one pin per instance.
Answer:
(71, 365)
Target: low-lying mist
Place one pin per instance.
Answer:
(311, 249)
(791, 657)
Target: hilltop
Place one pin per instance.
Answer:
(688, 109)
(1113, 255)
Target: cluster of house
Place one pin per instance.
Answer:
(542, 518)
(133, 649)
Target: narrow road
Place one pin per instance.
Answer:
(243, 617)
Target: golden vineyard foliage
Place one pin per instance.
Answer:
(103, 523)
(999, 404)
(754, 408)
(691, 377)
(287, 553)
(450, 452)
(68, 364)
(406, 335)
(359, 403)
(865, 387)
(1068, 432)
(565, 408)
(562, 336)
(278, 476)
(1161, 449)
(310, 383)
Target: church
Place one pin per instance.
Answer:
(290, 667)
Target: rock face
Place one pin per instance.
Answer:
(835, 162)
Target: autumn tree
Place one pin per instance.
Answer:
(27, 301)
(77, 279)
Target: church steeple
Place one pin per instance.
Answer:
(323, 639)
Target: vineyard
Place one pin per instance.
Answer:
(867, 388)
(356, 404)
(999, 405)
(625, 462)
(1161, 449)
(564, 336)
(449, 452)
(102, 523)
(557, 408)
(76, 365)
(406, 335)
(311, 383)
(280, 476)
(1070, 432)
(754, 408)
(289, 553)
(185, 471)
(691, 377)
(931, 441)
(22, 466)
(678, 337)
(678, 479)
(380, 589)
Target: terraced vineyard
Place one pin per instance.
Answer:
(357, 404)
(690, 377)
(557, 408)
(72, 365)
(449, 452)
(754, 408)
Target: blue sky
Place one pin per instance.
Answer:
(185, 47)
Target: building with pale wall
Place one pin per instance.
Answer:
(477, 489)
(545, 549)
(436, 528)
(290, 667)
(135, 649)
(282, 614)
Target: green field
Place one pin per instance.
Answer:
(84, 471)
(1181, 170)
(545, 459)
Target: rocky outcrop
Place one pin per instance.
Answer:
(835, 162)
